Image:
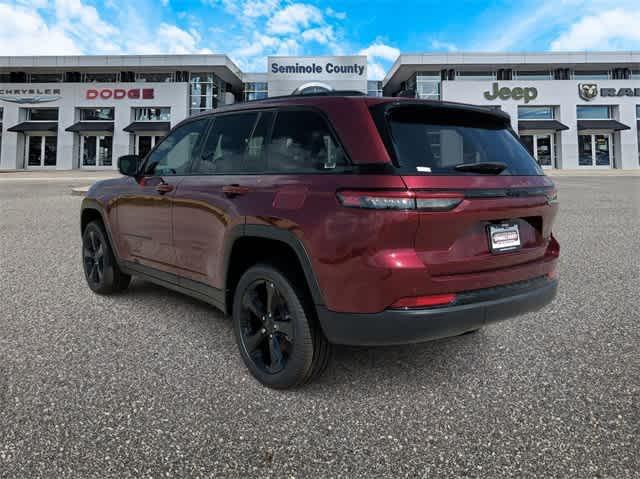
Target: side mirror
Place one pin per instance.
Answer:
(129, 165)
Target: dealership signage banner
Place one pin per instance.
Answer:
(516, 93)
(120, 93)
(319, 69)
(588, 91)
(30, 95)
(324, 67)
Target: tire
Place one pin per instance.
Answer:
(288, 348)
(98, 262)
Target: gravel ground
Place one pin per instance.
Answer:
(149, 383)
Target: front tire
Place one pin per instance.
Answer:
(278, 337)
(99, 264)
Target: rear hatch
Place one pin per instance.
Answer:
(483, 201)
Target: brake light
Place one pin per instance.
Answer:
(400, 200)
(424, 301)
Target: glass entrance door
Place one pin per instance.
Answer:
(595, 150)
(541, 147)
(41, 151)
(96, 150)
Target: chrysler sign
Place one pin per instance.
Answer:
(29, 95)
(120, 94)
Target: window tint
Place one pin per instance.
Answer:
(435, 142)
(228, 147)
(174, 154)
(302, 142)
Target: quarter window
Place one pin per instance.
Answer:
(228, 145)
(173, 156)
(302, 142)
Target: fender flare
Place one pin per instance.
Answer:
(283, 236)
(94, 205)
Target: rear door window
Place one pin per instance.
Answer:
(228, 145)
(302, 142)
(436, 141)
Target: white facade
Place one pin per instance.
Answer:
(563, 96)
(525, 85)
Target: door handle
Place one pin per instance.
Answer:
(163, 188)
(235, 190)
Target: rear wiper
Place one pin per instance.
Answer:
(487, 167)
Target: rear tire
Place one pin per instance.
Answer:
(276, 331)
(98, 262)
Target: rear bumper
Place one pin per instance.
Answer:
(471, 311)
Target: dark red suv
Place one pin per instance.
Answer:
(314, 220)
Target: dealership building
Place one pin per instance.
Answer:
(572, 110)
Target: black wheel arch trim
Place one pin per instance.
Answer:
(94, 205)
(284, 236)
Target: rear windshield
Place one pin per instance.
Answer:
(436, 140)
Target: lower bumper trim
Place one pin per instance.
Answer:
(391, 327)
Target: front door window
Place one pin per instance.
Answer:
(41, 151)
(595, 150)
(96, 150)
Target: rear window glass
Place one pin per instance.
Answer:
(435, 141)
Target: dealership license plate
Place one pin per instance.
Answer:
(504, 237)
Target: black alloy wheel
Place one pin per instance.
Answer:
(266, 325)
(98, 261)
(274, 323)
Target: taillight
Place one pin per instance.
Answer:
(424, 301)
(400, 200)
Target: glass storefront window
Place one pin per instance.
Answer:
(426, 85)
(374, 88)
(206, 91)
(535, 113)
(96, 114)
(96, 150)
(479, 75)
(41, 150)
(533, 75)
(594, 112)
(152, 114)
(100, 77)
(165, 77)
(255, 91)
(42, 114)
(45, 78)
(592, 75)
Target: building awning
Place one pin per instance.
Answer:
(91, 126)
(554, 125)
(601, 125)
(163, 126)
(35, 126)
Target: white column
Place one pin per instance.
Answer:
(628, 159)
(10, 158)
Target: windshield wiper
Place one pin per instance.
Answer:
(487, 167)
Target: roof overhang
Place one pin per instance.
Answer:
(91, 126)
(34, 126)
(554, 125)
(613, 125)
(163, 126)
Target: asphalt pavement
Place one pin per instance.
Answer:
(149, 383)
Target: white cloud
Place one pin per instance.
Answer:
(24, 32)
(259, 8)
(332, 13)
(380, 50)
(292, 18)
(443, 46)
(612, 29)
(375, 52)
(322, 35)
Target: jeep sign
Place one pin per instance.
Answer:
(516, 93)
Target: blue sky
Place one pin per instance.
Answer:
(249, 31)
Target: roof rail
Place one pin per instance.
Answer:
(320, 93)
